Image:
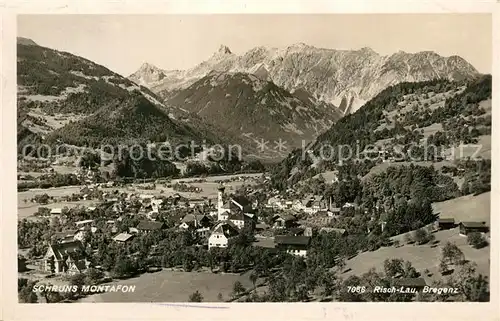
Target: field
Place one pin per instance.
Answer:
(209, 190)
(174, 286)
(466, 208)
(481, 149)
(421, 256)
(26, 209)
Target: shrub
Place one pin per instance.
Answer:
(476, 239)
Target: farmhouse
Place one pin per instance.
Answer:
(446, 223)
(222, 234)
(296, 245)
(68, 257)
(469, 227)
(284, 221)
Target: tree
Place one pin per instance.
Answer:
(472, 285)
(196, 297)
(393, 267)
(25, 291)
(443, 267)
(476, 240)
(420, 236)
(238, 288)
(254, 277)
(94, 275)
(452, 254)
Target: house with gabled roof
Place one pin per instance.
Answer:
(284, 221)
(240, 219)
(194, 221)
(295, 245)
(469, 227)
(222, 234)
(67, 257)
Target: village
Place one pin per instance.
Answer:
(116, 231)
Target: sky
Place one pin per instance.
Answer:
(123, 42)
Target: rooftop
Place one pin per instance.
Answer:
(292, 240)
(122, 237)
(150, 225)
(473, 224)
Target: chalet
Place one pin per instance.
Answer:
(469, 227)
(284, 221)
(222, 234)
(123, 237)
(68, 257)
(445, 223)
(295, 245)
(148, 226)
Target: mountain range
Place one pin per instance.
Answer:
(265, 95)
(69, 99)
(344, 78)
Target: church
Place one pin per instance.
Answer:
(237, 210)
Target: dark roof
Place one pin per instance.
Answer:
(227, 229)
(242, 200)
(296, 230)
(473, 224)
(292, 240)
(411, 282)
(67, 248)
(236, 215)
(150, 225)
(286, 217)
(446, 220)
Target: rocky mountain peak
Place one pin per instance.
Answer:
(224, 50)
